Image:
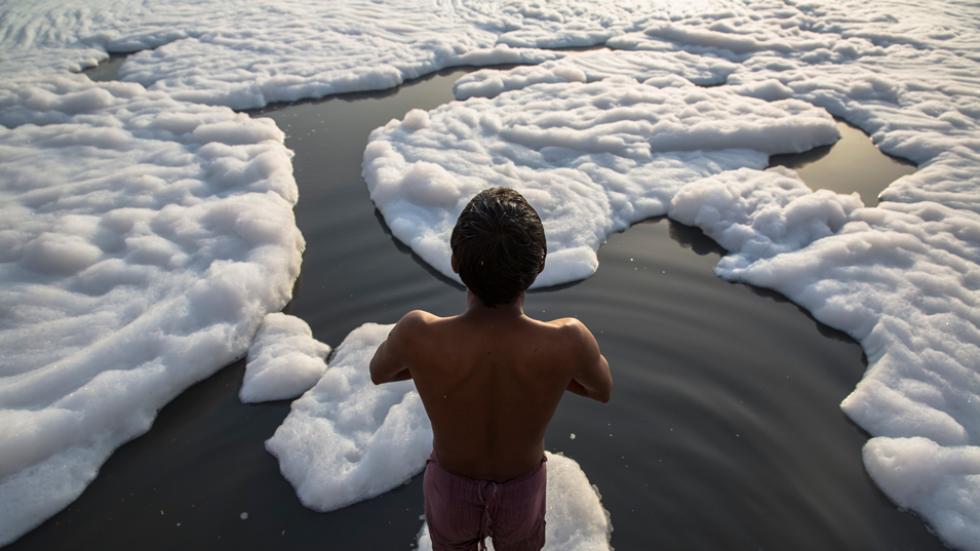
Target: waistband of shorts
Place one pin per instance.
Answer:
(433, 459)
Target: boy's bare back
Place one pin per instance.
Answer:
(490, 380)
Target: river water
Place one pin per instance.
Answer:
(724, 431)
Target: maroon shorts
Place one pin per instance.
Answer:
(461, 511)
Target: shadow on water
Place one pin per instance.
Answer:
(694, 239)
(724, 431)
(405, 249)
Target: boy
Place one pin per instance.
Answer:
(490, 379)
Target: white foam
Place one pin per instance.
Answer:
(346, 439)
(759, 214)
(136, 261)
(596, 65)
(284, 360)
(246, 56)
(575, 519)
(591, 158)
(901, 278)
(921, 474)
(131, 196)
(907, 77)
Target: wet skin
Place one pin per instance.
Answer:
(490, 379)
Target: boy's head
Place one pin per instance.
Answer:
(498, 246)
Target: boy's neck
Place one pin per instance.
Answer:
(476, 308)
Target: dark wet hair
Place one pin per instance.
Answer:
(498, 245)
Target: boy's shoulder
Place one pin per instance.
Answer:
(570, 327)
(568, 324)
(419, 323)
(417, 317)
(412, 331)
(415, 322)
(573, 333)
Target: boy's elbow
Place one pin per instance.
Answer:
(376, 377)
(606, 393)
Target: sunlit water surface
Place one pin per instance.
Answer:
(724, 431)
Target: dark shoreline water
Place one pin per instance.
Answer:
(724, 431)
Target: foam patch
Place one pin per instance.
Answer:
(592, 158)
(346, 439)
(143, 241)
(284, 360)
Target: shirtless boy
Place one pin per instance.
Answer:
(490, 379)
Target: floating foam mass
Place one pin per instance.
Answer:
(284, 360)
(143, 239)
(759, 214)
(903, 280)
(249, 54)
(596, 65)
(347, 439)
(592, 158)
(576, 520)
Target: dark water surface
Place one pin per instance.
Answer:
(724, 431)
(852, 164)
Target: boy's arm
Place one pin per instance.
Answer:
(592, 377)
(390, 359)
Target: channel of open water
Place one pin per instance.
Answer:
(724, 431)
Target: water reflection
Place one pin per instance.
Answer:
(851, 164)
